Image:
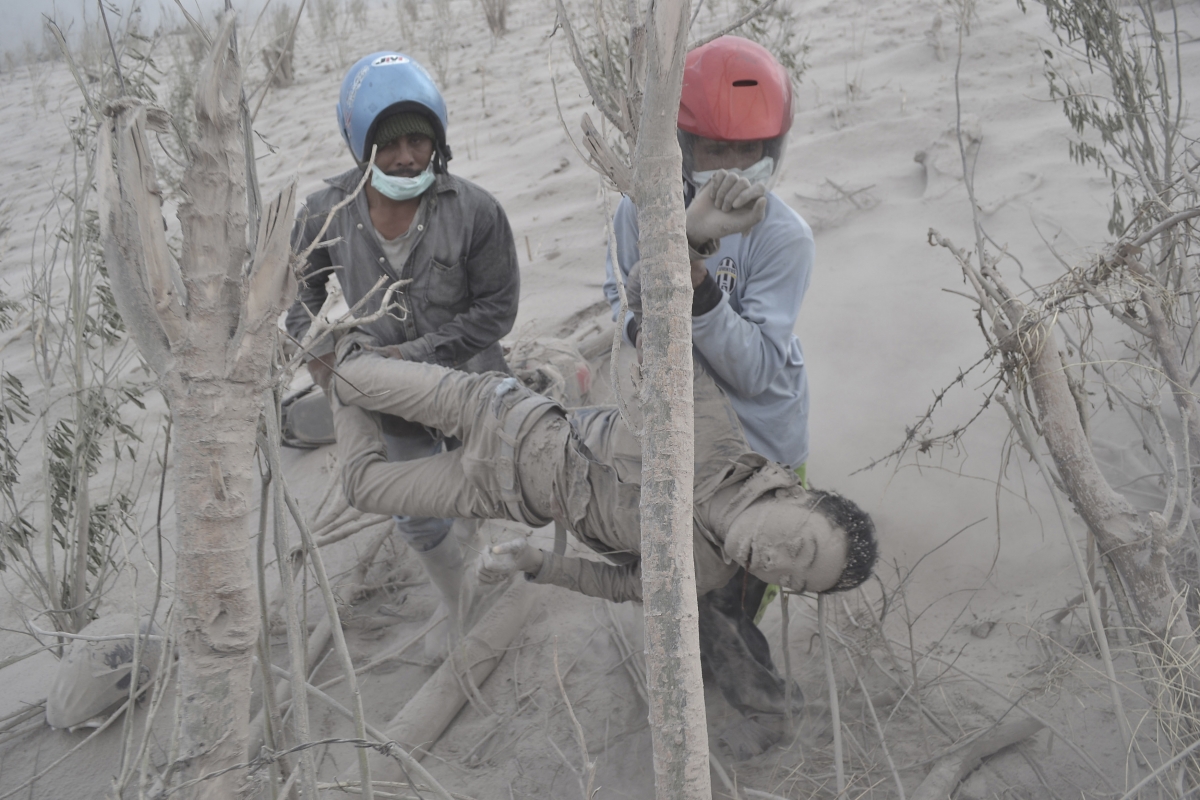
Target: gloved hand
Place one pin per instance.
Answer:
(502, 560)
(726, 204)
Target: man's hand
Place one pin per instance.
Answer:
(727, 204)
(387, 350)
(502, 560)
(321, 370)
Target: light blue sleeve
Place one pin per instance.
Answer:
(749, 349)
(625, 230)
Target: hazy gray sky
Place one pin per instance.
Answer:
(22, 19)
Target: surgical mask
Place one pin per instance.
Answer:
(401, 188)
(758, 172)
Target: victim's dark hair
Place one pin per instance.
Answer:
(861, 549)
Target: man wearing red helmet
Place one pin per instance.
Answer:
(734, 114)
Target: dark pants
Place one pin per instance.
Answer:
(735, 655)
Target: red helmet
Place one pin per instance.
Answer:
(735, 90)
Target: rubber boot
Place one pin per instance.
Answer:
(446, 566)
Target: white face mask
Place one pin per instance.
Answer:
(758, 172)
(401, 188)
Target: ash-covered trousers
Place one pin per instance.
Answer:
(414, 442)
(485, 410)
(474, 481)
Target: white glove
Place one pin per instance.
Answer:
(502, 560)
(726, 204)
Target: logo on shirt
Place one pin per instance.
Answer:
(726, 275)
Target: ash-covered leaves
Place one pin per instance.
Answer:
(8, 308)
(1112, 74)
(14, 407)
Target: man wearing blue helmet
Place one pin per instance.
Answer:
(415, 222)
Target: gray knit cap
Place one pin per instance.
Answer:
(403, 124)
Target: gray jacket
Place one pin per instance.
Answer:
(462, 263)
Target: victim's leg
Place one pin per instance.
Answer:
(408, 441)
(436, 486)
(441, 398)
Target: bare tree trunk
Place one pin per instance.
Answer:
(677, 719)
(1136, 543)
(207, 328)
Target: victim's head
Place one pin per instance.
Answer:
(805, 541)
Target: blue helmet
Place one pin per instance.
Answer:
(383, 84)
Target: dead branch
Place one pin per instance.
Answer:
(1024, 709)
(302, 256)
(733, 26)
(331, 611)
(603, 99)
(128, 209)
(320, 325)
(588, 765)
(271, 284)
(351, 527)
(603, 160)
(950, 770)
(1169, 222)
(285, 49)
(831, 680)
(614, 360)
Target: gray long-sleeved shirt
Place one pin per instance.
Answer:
(747, 342)
(461, 263)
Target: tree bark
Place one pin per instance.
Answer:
(216, 427)
(677, 719)
(1135, 542)
(207, 329)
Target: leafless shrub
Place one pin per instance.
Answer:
(184, 65)
(440, 38)
(278, 54)
(1115, 72)
(496, 13)
(408, 14)
(777, 28)
(339, 23)
(324, 14)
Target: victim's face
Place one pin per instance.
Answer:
(810, 561)
(784, 541)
